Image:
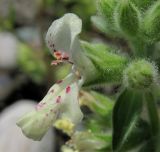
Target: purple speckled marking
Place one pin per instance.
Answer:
(60, 81)
(40, 105)
(51, 110)
(68, 89)
(52, 91)
(58, 100)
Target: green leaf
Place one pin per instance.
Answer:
(158, 141)
(127, 18)
(31, 63)
(106, 8)
(103, 105)
(101, 127)
(152, 113)
(98, 103)
(126, 116)
(110, 66)
(104, 26)
(149, 146)
(99, 124)
(151, 23)
(100, 23)
(143, 4)
(142, 131)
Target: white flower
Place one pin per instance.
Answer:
(63, 33)
(63, 42)
(61, 102)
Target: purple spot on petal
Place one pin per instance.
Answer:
(40, 105)
(52, 91)
(51, 110)
(68, 89)
(58, 100)
(60, 81)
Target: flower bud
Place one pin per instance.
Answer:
(108, 64)
(127, 18)
(84, 142)
(143, 4)
(97, 102)
(152, 23)
(106, 8)
(140, 75)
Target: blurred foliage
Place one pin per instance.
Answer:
(31, 63)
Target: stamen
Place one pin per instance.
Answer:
(58, 55)
(61, 57)
(56, 62)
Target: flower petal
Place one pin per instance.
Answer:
(64, 44)
(62, 33)
(36, 123)
(71, 108)
(60, 102)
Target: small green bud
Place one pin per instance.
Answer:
(106, 7)
(84, 142)
(152, 23)
(127, 18)
(143, 4)
(109, 65)
(140, 74)
(98, 103)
